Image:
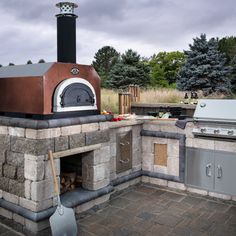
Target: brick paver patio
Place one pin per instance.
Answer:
(150, 211)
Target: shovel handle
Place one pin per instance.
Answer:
(55, 183)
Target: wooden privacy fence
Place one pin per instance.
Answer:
(126, 98)
(134, 90)
(124, 103)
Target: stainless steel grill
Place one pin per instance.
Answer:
(215, 118)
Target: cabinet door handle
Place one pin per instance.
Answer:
(208, 170)
(124, 161)
(219, 172)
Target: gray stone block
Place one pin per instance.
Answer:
(90, 127)
(61, 143)
(10, 197)
(97, 137)
(35, 206)
(4, 142)
(96, 185)
(16, 188)
(14, 158)
(97, 157)
(4, 184)
(9, 171)
(20, 174)
(34, 170)
(16, 131)
(77, 140)
(42, 190)
(31, 146)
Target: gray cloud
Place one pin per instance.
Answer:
(28, 28)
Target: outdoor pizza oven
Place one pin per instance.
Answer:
(52, 90)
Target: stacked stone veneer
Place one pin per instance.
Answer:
(26, 175)
(25, 170)
(165, 132)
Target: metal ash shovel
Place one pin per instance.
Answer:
(62, 221)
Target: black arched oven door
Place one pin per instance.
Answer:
(77, 94)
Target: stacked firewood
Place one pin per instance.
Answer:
(70, 181)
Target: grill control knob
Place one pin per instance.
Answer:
(230, 132)
(203, 130)
(202, 104)
(216, 131)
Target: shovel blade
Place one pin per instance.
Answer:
(63, 222)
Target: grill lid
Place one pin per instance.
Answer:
(221, 110)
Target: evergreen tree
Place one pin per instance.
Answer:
(227, 45)
(29, 62)
(41, 61)
(105, 59)
(233, 75)
(0, 65)
(130, 70)
(11, 64)
(204, 68)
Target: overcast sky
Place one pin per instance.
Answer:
(28, 28)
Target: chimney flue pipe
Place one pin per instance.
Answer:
(66, 32)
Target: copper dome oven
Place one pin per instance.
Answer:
(52, 90)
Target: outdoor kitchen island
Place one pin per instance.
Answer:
(113, 155)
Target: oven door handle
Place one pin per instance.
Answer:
(208, 170)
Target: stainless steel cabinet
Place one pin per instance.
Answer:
(225, 174)
(124, 152)
(211, 170)
(200, 168)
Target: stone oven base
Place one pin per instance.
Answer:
(26, 189)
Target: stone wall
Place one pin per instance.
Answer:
(165, 132)
(26, 175)
(25, 170)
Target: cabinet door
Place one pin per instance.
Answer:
(124, 152)
(200, 168)
(225, 172)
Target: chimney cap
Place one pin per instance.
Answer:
(66, 7)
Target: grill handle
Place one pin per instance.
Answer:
(208, 170)
(126, 161)
(219, 172)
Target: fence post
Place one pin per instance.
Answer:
(134, 90)
(124, 103)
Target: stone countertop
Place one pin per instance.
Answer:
(124, 123)
(131, 122)
(182, 105)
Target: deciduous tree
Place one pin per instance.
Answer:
(164, 68)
